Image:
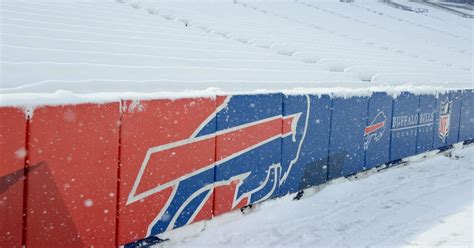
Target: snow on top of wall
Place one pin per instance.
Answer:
(30, 101)
(72, 51)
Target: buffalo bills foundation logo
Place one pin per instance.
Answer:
(374, 131)
(410, 125)
(444, 119)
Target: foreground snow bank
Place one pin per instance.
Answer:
(427, 203)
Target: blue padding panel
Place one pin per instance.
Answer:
(256, 166)
(346, 150)
(305, 155)
(377, 131)
(466, 131)
(426, 115)
(404, 126)
(446, 125)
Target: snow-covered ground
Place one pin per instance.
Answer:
(427, 203)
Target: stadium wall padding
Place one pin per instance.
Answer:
(447, 102)
(346, 144)
(466, 129)
(376, 131)
(13, 151)
(425, 128)
(72, 176)
(403, 134)
(111, 174)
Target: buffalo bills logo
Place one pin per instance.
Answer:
(374, 131)
(246, 167)
(444, 119)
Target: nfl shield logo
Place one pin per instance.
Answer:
(444, 119)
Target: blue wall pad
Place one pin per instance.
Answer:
(426, 115)
(377, 130)
(257, 167)
(446, 125)
(404, 126)
(304, 155)
(466, 131)
(346, 150)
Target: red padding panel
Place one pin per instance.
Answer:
(72, 182)
(12, 160)
(164, 142)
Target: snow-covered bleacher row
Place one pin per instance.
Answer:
(88, 46)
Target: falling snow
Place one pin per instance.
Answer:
(88, 203)
(21, 153)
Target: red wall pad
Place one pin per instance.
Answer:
(71, 196)
(167, 172)
(12, 160)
